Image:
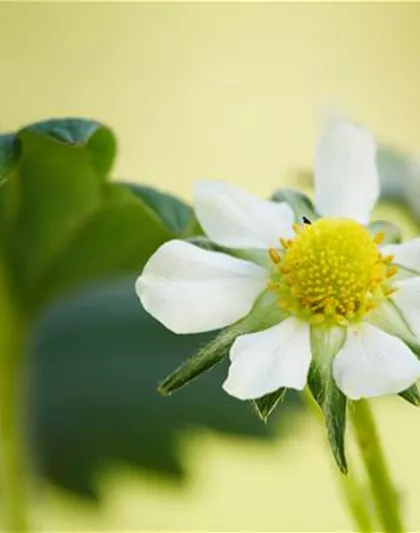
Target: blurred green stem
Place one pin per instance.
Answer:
(383, 492)
(12, 457)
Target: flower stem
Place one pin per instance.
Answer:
(12, 457)
(383, 492)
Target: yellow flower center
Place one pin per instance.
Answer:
(332, 272)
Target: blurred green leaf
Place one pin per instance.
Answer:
(58, 189)
(176, 215)
(9, 154)
(62, 223)
(265, 406)
(119, 238)
(394, 172)
(93, 400)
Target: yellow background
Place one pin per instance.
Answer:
(235, 92)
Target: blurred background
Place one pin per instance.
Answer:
(233, 91)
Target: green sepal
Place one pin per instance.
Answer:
(206, 358)
(258, 256)
(392, 233)
(325, 343)
(265, 406)
(411, 395)
(301, 205)
(388, 317)
(263, 315)
(206, 244)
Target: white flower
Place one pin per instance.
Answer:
(329, 276)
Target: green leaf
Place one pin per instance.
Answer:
(393, 234)
(58, 189)
(98, 139)
(74, 131)
(265, 406)
(62, 223)
(411, 395)
(175, 214)
(302, 206)
(110, 241)
(102, 147)
(9, 154)
(325, 343)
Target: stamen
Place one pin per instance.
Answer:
(391, 272)
(379, 237)
(285, 243)
(391, 290)
(274, 256)
(332, 271)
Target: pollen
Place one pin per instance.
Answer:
(332, 272)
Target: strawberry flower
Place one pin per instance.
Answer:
(338, 294)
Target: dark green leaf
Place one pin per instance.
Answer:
(93, 377)
(74, 131)
(99, 140)
(302, 206)
(392, 232)
(265, 406)
(411, 395)
(175, 214)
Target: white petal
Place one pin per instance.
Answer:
(374, 363)
(265, 361)
(346, 176)
(232, 217)
(407, 299)
(406, 255)
(191, 290)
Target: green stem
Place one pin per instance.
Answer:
(352, 491)
(12, 457)
(383, 492)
